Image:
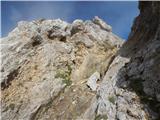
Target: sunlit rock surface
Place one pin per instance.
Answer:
(54, 70)
(46, 65)
(130, 89)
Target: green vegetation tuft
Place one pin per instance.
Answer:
(101, 117)
(67, 82)
(112, 99)
(65, 75)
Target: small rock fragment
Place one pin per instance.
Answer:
(92, 81)
(77, 26)
(102, 24)
(83, 38)
(57, 32)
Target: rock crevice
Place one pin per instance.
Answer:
(56, 60)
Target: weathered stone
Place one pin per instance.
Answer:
(102, 24)
(92, 81)
(130, 88)
(42, 61)
(44, 79)
(77, 26)
(84, 39)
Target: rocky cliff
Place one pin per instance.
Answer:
(52, 69)
(133, 78)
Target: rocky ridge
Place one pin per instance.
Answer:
(46, 64)
(54, 70)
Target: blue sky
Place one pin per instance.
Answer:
(119, 15)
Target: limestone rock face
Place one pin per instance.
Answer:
(102, 24)
(54, 70)
(130, 89)
(46, 64)
(92, 81)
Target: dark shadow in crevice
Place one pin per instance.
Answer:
(36, 40)
(144, 28)
(145, 31)
(6, 83)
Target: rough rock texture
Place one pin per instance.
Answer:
(92, 81)
(46, 64)
(131, 87)
(53, 70)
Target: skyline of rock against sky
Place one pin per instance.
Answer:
(119, 15)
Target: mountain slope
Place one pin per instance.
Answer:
(132, 81)
(55, 70)
(46, 64)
